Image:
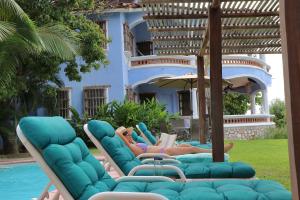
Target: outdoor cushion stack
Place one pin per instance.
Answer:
(84, 176)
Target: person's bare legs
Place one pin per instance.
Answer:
(173, 151)
(184, 145)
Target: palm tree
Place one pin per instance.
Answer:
(20, 38)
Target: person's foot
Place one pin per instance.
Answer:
(227, 147)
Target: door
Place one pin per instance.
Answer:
(185, 103)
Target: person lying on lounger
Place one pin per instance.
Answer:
(139, 148)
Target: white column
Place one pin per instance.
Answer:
(253, 103)
(195, 104)
(265, 101)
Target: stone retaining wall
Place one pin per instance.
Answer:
(246, 131)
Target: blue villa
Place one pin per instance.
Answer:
(134, 65)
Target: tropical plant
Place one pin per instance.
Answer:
(238, 104)
(277, 108)
(235, 103)
(68, 13)
(129, 114)
(20, 38)
(77, 123)
(24, 84)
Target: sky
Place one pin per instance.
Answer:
(277, 88)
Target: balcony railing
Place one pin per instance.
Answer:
(247, 119)
(162, 60)
(143, 61)
(244, 60)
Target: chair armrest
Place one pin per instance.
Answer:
(127, 196)
(159, 167)
(151, 155)
(144, 179)
(168, 161)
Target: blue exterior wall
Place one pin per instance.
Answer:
(117, 75)
(165, 96)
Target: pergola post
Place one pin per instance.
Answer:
(201, 97)
(215, 52)
(290, 29)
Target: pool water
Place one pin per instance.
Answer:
(21, 181)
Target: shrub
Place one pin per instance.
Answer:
(129, 114)
(277, 108)
(77, 123)
(277, 133)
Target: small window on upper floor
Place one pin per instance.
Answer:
(64, 102)
(93, 97)
(128, 39)
(103, 26)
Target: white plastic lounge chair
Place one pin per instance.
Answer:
(78, 175)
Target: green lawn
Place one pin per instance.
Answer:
(268, 157)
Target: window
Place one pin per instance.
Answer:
(64, 102)
(94, 97)
(103, 27)
(184, 103)
(128, 38)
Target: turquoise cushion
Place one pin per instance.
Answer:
(206, 170)
(147, 133)
(114, 145)
(52, 131)
(199, 157)
(211, 190)
(67, 156)
(196, 144)
(137, 138)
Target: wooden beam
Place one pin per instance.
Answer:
(225, 27)
(223, 15)
(290, 28)
(201, 98)
(216, 3)
(215, 52)
(204, 43)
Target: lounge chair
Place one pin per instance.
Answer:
(78, 175)
(102, 134)
(150, 139)
(187, 158)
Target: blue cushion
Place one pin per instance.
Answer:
(211, 190)
(137, 138)
(199, 157)
(67, 156)
(114, 145)
(196, 144)
(147, 133)
(126, 160)
(51, 131)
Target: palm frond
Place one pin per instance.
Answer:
(59, 40)
(10, 9)
(6, 29)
